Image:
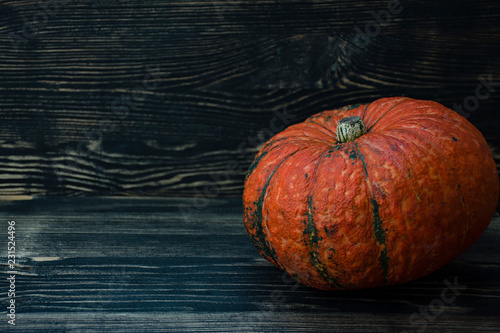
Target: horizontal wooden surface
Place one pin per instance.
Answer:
(175, 97)
(108, 264)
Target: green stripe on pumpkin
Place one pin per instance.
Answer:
(256, 218)
(314, 239)
(380, 238)
(263, 152)
(254, 164)
(380, 234)
(260, 238)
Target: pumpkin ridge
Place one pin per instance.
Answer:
(460, 191)
(407, 164)
(312, 233)
(321, 125)
(254, 164)
(385, 113)
(425, 117)
(388, 133)
(380, 235)
(271, 142)
(265, 151)
(260, 239)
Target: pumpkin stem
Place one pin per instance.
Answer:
(350, 128)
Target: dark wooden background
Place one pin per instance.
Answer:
(81, 113)
(168, 101)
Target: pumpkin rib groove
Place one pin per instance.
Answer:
(364, 113)
(380, 234)
(328, 131)
(451, 166)
(312, 232)
(258, 217)
(385, 113)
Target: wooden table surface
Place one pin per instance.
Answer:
(108, 264)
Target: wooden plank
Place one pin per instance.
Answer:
(132, 264)
(156, 97)
(199, 141)
(246, 323)
(262, 44)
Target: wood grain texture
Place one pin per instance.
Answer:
(163, 97)
(91, 264)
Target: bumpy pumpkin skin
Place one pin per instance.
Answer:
(391, 206)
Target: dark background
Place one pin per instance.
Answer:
(81, 114)
(168, 102)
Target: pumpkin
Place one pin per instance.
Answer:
(370, 195)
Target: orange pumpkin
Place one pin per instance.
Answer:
(370, 195)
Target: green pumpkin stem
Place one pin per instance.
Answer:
(350, 128)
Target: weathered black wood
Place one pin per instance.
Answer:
(162, 97)
(138, 265)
